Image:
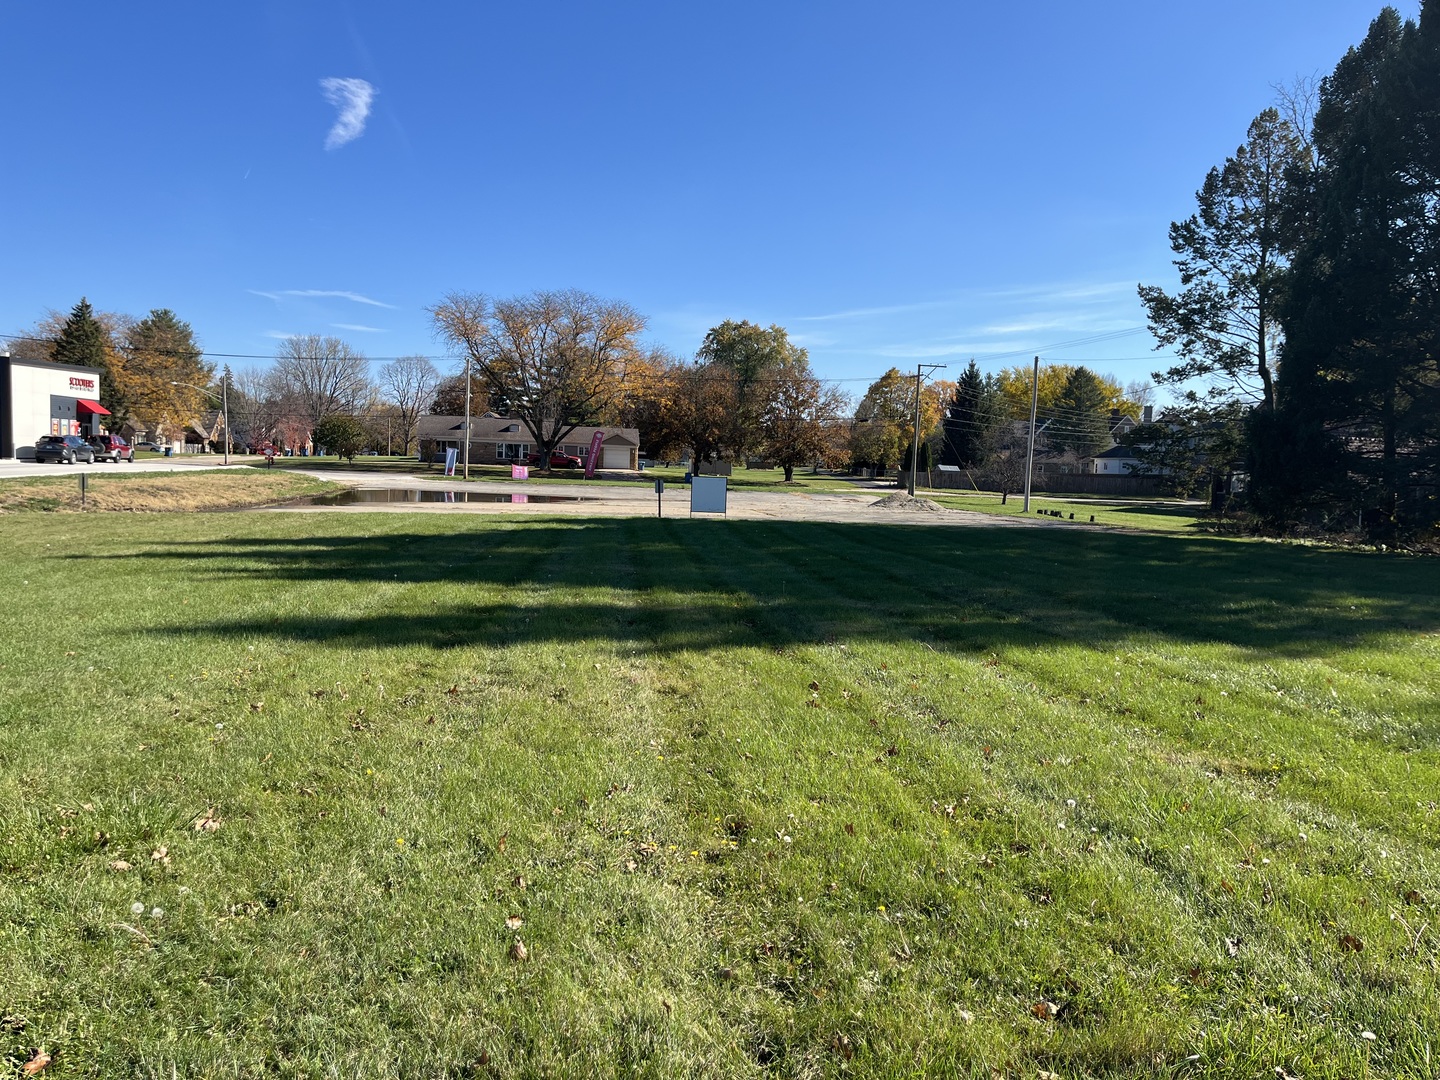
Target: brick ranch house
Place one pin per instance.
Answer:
(499, 440)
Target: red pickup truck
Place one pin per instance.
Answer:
(557, 460)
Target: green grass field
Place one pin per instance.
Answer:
(1154, 515)
(279, 795)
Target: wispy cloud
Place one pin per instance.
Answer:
(864, 313)
(1028, 326)
(360, 328)
(278, 335)
(922, 352)
(335, 294)
(351, 98)
(1075, 291)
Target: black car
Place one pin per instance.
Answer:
(63, 448)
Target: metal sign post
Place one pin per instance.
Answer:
(659, 490)
(82, 491)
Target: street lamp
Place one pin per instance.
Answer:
(224, 404)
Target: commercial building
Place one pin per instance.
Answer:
(39, 398)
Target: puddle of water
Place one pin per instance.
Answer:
(365, 496)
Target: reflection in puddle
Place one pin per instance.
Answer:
(360, 496)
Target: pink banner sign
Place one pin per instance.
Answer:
(594, 458)
(519, 472)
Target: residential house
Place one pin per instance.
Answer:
(501, 440)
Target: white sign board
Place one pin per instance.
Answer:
(707, 495)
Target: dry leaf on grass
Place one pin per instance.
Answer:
(37, 1062)
(161, 855)
(1351, 943)
(518, 952)
(208, 821)
(514, 922)
(120, 866)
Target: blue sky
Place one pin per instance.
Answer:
(892, 183)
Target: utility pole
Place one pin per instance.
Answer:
(915, 446)
(225, 409)
(1030, 453)
(467, 415)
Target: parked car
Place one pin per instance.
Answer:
(148, 446)
(111, 448)
(557, 460)
(63, 449)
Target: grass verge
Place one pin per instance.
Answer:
(1150, 514)
(157, 492)
(756, 798)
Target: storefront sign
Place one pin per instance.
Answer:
(81, 385)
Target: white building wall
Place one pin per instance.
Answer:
(31, 387)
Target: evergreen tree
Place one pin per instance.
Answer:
(1082, 413)
(84, 341)
(971, 416)
(163, 367)
(1360, 385)
(1231, 258)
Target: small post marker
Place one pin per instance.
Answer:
(659, 490)
(82, 491)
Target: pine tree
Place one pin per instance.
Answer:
(1081, 421)
(1231, 257)
(1361, 375)
(85, 342)
(82, 340)
(971, 416)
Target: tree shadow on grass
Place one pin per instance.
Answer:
(685, 584)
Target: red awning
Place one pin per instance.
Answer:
(85, 405)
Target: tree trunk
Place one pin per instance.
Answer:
(789, 474)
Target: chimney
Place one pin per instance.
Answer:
(1148, 414)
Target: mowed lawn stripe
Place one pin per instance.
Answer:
(430, 724)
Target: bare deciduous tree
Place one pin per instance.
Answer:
(322, 375)
(408, 383)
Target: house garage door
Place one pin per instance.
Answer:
(615, 457)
